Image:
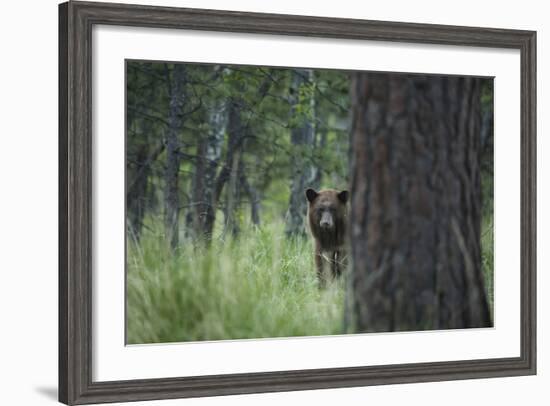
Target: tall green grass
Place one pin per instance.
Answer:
(261, 285)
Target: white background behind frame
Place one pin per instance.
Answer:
(114, 361)
(28, 347)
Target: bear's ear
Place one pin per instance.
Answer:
(343, 196)
(311, 195)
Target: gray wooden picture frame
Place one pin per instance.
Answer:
(76, 20)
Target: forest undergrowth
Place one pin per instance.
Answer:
(257, 286)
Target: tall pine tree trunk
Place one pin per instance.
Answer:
(229, 171)
(253, 197)
(232, 197)
(416, 203)
(302, 138)
(138, 162)
(176, 83)
(138, 192)
(208, 158)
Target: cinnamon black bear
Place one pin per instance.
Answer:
(328, 223)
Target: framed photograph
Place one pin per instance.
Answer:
(257, 202)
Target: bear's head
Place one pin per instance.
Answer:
(327, 209)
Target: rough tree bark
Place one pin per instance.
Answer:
(176, 83)
(302, 171)
(416, 203)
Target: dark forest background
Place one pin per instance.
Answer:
(217, 161)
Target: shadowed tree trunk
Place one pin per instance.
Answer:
(137, 172)
(302, 138)
(487, 139)
(254, 198)
(232, 196)
(176, 82)
(416, 203)
(229, 170)
(137, 195)
(140, 135)
(209, 154)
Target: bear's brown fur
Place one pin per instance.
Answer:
(328, 224)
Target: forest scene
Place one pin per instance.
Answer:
(268, 202)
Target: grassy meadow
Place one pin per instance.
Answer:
(263, 285)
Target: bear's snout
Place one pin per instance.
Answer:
(326, 221)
